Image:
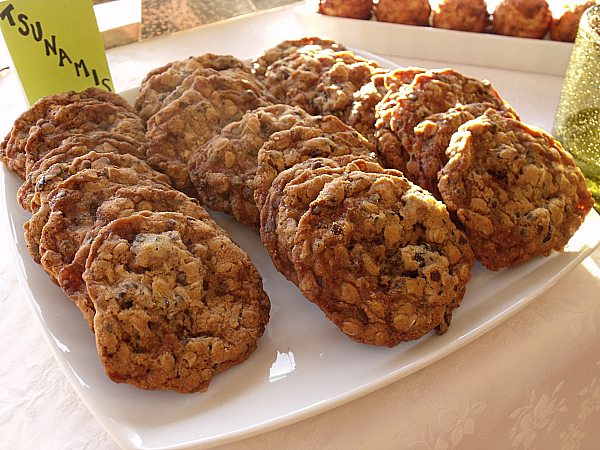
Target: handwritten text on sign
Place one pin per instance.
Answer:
(55, 46)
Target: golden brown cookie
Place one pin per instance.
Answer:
(176, 301)
(320, 81)
(429, 93)
(522, 18)
(433, 136)
(362, 115)
(288, 47)
(407, 12)
(125, 202)
(517, 193)
(80, 118)
(290, 195)
(462, 15)
(355, 9)
(68, 158)
(564, 27)
(162, 81)
(315, 137)
(70, 210)
(381, 258)
(223, 169)
(12, 149)
(206, 102)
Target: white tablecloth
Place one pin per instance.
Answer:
(533, 382)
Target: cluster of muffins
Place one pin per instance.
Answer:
(373, 190)
(520, 18)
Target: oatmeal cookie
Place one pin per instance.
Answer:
(288, 199)
(55, 166)
(381, 258)
(433, 137)
(70, 210)
(429, 93)
(462, 15)
(80, 118)
(162, 81)
(522, 18)
(355, 9)
(316, 136)
(223, 169)
(288, 47)
(362, 115)
(320, 82)
(12, 149)
(176, 301)
(517, 193)
(125, 202)
(205, 106)
(407, 12)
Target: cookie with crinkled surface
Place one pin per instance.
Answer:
(381, 258)
(12, 149)
(290, 195)
(176, 301)
(362, 115)
(288, 47)
(80, 118)
(55, 166)
(515, 190)
(207, 102)
(125, 202)
(433, 136)
(316, 136)
(56, 230)
(162, 81)
(429, 93)
(223, 169)
(320, 82)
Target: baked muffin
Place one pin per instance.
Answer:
(462, 15)
(564, 27)
(522, 18)
(407, 12)
(355, 9)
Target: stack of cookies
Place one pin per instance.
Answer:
(170, 298)
(373, 190)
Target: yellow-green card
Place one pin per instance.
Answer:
(55, 46)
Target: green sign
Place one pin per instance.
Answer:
(55, 46)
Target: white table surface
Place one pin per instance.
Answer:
(533, 382)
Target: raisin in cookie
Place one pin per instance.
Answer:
(125, 202)
(316, 136)
(70, 157)
(223, 169)
(12, 149)
(162, 81)
(80, 118)
(517, 193)
(381, 258)
(289, 197)
(429, 93)
(207, 102)
(176, 301)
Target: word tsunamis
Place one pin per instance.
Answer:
(27, 28)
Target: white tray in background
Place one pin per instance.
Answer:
(480, 49)
(303, 365)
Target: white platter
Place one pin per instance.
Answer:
(303, 366)
(480, 49)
